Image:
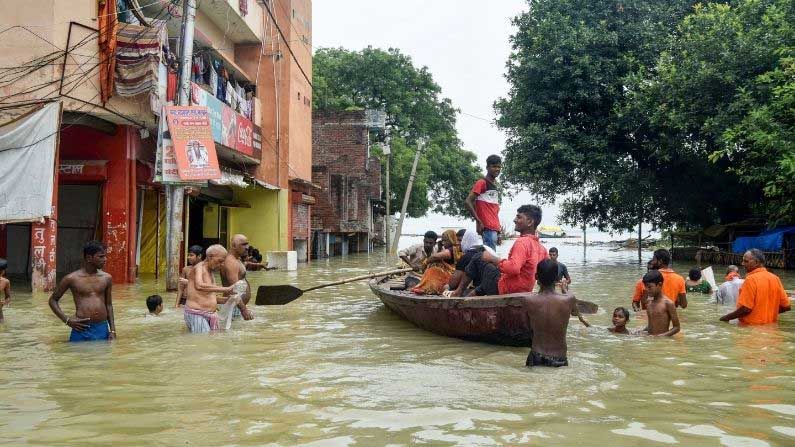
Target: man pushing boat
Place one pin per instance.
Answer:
(549, 312)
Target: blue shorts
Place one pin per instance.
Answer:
(95, 331)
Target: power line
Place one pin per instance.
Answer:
(284, 39)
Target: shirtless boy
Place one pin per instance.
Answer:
(194, 257)
(549, 314)
(660, 311)
(5, 287)
(91, 290)
(200, 306)
(233, 270)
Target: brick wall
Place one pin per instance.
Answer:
(342, 167)
(300, 221)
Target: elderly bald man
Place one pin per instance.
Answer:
(762, 296)
(233, 270)
(202, 299)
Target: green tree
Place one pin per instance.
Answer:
(726, 91)
(388, 80)
(567, 121)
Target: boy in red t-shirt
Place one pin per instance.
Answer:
(484, 202)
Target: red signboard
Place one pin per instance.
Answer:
(193, 142)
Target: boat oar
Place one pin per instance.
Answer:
(283, 294)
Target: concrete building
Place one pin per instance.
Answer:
(108, 140)
(348, 214)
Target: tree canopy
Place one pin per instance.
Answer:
(388, 80)
(651, 110)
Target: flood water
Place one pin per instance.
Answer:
(335, 368)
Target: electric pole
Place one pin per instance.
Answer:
(388, 153)
(175, 194)
(399, 228)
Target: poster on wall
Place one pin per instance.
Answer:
(230, 128)
(193, 145)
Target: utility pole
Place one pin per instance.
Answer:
(406, 196)
(388, 153)
(175, 194)
(640, 255)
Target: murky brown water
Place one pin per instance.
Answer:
(335, 369)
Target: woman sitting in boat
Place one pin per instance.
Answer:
(440, 266)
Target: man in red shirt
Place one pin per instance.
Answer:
(517, 274)
(484, 202)
(762, 296)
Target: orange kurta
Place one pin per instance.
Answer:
(763, 293)
(640, 291)
(673, 284)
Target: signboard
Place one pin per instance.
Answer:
(193, 145)
(229, 128)
(166, 168)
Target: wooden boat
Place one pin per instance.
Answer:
(497, 319)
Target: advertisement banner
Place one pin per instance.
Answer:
(230, 128)
(193, 145)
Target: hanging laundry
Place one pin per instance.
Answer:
(230, 95)
(137, 57)
(213, 82)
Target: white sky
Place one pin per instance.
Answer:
(464, 43)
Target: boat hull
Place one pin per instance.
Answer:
(498, 320)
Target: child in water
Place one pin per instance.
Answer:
(5, 287)
(620, 320)
(155, 305)
(661, 311)
(194, 257)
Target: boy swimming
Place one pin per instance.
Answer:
(155, 305)
(5, 287)
(620, 320)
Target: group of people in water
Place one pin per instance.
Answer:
(448, 268)
(460, 263)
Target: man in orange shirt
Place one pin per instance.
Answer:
(673, 284)
(762, 296)
(639, 295)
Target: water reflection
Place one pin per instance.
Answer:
(336, 368)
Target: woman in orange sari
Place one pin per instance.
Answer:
(440, 266)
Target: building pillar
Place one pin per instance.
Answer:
(43, 243)
(119, 209)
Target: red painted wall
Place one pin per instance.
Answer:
(118, 192)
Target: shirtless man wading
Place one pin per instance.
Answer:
(91, 289)
(549, 313)
(202, 301)
(233, 270)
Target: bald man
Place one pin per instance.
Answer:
(202, 300)
(233, 270)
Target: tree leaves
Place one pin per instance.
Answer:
(377, 79)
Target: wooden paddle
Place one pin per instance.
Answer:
(283, 294)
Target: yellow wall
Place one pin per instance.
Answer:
(149, 233)
(265, 223)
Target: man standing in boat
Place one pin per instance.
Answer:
(484, 202)
(516, 274)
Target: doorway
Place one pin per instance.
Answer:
(78, 223)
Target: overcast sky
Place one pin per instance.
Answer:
(464, 43)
